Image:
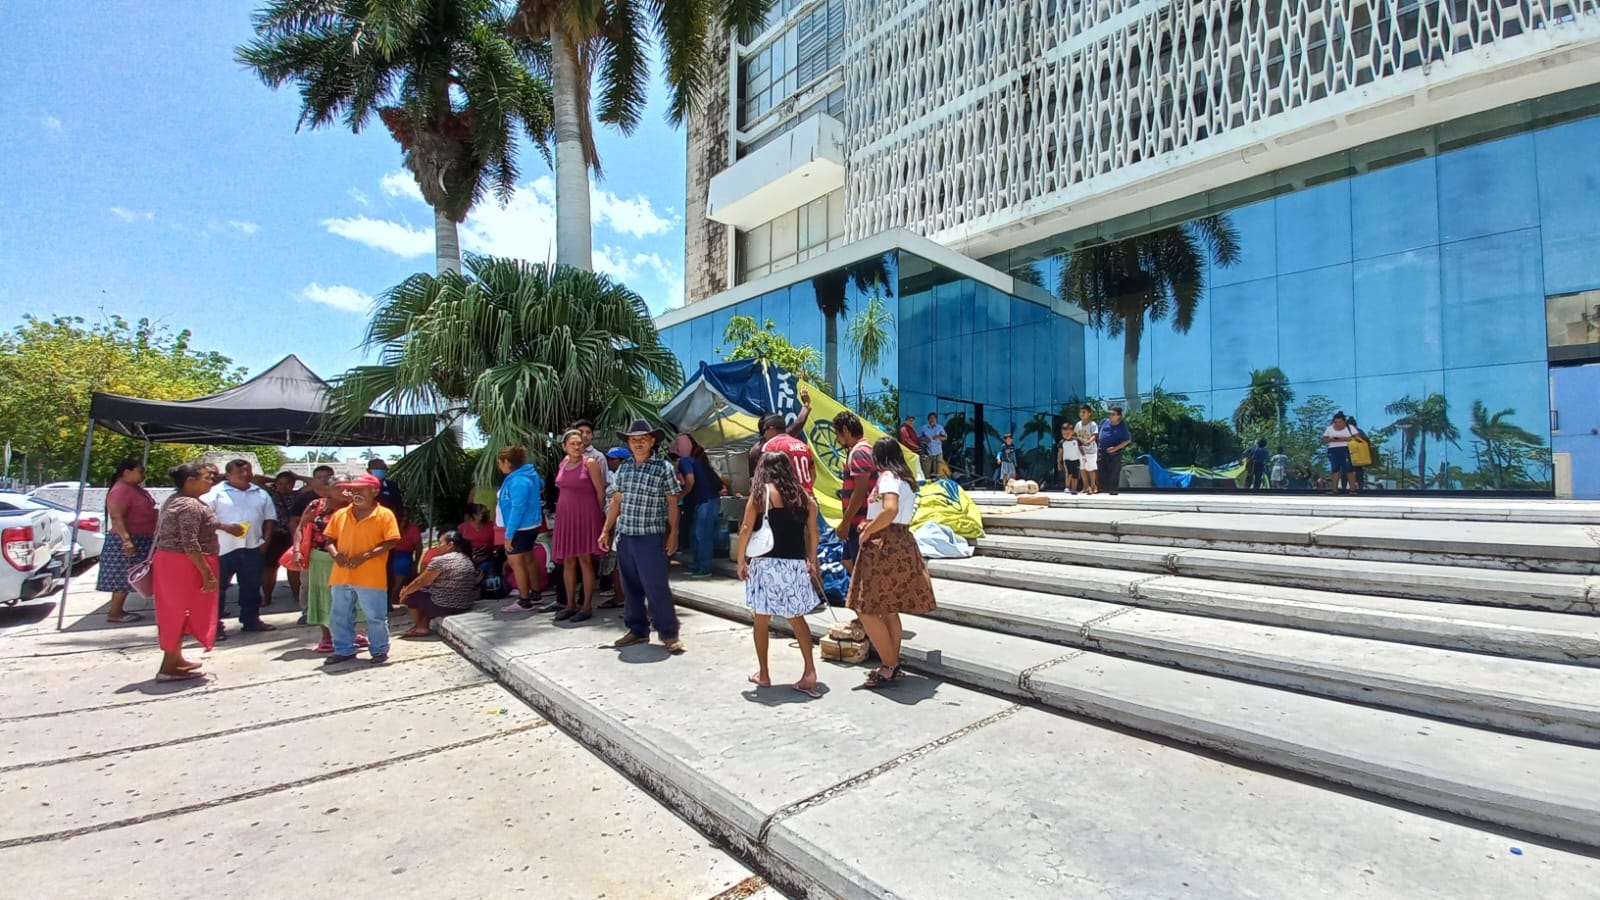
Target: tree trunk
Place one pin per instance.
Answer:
(1130, 371)
(830, 352)
(1422, 463)
(446, 244)
(574, 233)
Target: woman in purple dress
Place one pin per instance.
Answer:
(579, 518)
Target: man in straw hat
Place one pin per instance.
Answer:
(643, 517)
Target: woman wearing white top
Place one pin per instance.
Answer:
(890, 577)
(1337, 438)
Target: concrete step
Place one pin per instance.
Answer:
(1456, 584)
(1520, 547)
(1520, 633)
(1369, 505)
(1547, 700)
(1543, 787)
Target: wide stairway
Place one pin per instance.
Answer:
(1397, 665)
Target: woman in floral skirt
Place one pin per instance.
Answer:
(890, 577)
(779, 583)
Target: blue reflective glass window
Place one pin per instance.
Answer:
(1022, 370)
(1488, 188)
(1112, 382)
(1244, 331)
(1180, 361)
(1258, 240)
(1399, 318)
(995, 308)
(775, 308)
(953, 319)
(1569, 203)
(1493, 301)
(1340, 391)
(1375, 393)
(913, 403)
(1314, 227)
(1065, 360)
(1221, 404)
(702, 340)
(1093, 352)
(947, 371)
(1316, 323)
(1524, 388)
(1395, 209)
(805, 320)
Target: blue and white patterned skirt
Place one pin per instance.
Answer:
(779, 587)
(114, 564)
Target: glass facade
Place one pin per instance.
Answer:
(793, 61)
(980, 357)
(793, 237)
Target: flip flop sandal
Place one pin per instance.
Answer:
(811, 692)
(127, 617)
(753, 679)
(185, 676)
(876, 679)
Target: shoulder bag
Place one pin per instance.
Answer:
(1360, 450)
(761, 540)
(142, 574)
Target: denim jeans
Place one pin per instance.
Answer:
(703, 533)
(247, 565)
(374, 603)
(647, 597)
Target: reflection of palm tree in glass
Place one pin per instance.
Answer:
(1153, 275)
(1267, 401)
(1419, 420)
(1501, 440)
(832, 289)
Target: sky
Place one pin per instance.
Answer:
(145, 173)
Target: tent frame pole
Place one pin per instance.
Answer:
(77, 514)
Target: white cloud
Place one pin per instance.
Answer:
(359, 196)
(398, 238)
(525, 228)
(51, 122)
(401, 184)
(247, 227)
(633, 270)
(123, 214)
(635, 216)
(339, 296)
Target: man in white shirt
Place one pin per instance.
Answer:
(933, 438)
(1087, 431)
(239, 501)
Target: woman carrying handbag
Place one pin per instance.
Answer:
(777, 555)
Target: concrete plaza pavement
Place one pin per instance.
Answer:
(275, 777)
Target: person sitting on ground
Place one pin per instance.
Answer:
(779, 582)
(446, 586)
(403, 558)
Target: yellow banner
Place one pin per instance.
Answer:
(830, 456)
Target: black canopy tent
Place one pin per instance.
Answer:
(287, 405)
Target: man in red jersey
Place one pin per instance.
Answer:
(772, 426)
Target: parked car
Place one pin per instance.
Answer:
(32, 554)
(91, 527)
(58, 486)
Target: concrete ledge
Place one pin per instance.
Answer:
(1544, 787)
(1521, 547)
(1555, 592)
(1523, 634)
(1365, 506)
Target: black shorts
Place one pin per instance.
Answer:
(1072, 468)
(279, 542)
(852, 545)
(522, 541)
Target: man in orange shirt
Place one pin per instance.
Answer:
(360, 537)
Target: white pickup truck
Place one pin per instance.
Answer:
(32, 554)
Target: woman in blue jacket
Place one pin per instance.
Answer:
(522, 514)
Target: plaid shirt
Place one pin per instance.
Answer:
(646, 490)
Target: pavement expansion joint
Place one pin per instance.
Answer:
(853, 781)
(1025, 677)
(1311, 536)
(1135, 584)
(749, 887)
(190, 694)
(1085, 628)
(226, 732)
(264, 791)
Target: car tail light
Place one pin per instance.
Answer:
(89, 523)
(18, 546)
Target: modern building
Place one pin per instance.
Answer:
(1241, 215)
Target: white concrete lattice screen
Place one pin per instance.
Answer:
(962, 109)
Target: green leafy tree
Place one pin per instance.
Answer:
(453, 88)
(610, 43)
(1177, 433)
(832, 289)
(870, 336)
(744, 339)
(50, 367)
(1504, 449)
(1267, 400)
(883, 408)
(521, 348)
(1152, 276)
(1418, 421)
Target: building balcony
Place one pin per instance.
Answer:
(798, 167)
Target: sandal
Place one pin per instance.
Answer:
(414, 633)
(897, 673)
(876, 678)
(809, 690)
(755, 679)
(179, 676)
(125, 618)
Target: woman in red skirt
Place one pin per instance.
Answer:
(185, 571)
(890, 577)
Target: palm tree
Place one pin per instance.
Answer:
(870, 335)
(442, 75)
(1501, 440)
(832, 289)
(611, 40)
(1154, 276)
(1417, 421)
(522, 348)
(1267, 400)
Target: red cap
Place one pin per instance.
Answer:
(363, 481)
